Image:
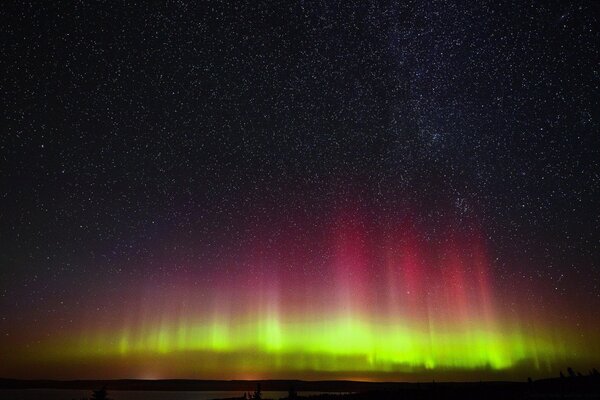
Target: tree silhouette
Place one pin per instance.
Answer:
(257, 393)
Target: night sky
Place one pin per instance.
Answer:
(333, 189)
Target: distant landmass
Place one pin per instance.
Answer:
(571, 387)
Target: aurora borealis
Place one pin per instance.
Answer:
(300, 191)
(385, 301)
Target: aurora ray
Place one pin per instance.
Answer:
(391, 301)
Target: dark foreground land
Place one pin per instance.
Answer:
(575, 387)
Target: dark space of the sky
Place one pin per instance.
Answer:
(140, 133)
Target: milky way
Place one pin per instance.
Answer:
(300, 190)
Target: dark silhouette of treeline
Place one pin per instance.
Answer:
(575, 385)
(572, 385)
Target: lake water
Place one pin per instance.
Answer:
(62, 394)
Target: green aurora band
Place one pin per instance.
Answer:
(400, 308)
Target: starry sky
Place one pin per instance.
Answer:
(302, 189)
